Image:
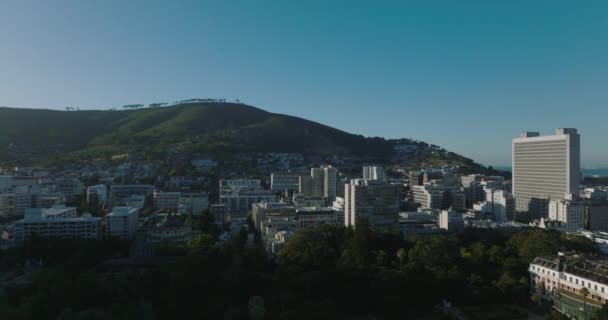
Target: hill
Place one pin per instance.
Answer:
(218, 128)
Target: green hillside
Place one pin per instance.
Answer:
(218, 128)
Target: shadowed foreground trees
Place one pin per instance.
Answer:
(323, 273)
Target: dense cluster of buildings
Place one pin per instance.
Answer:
(545, 191)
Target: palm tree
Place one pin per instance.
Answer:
(584, 291)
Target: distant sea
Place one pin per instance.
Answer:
(603, 172)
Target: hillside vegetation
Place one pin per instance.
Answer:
(218, 128)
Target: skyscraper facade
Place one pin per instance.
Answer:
(545, 168)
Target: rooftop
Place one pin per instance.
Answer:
(590, 267)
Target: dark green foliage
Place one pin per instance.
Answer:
(323, 273)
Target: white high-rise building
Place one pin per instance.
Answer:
(97, 194)
(323, 183)
(376, 201)
(122, 223)
(545, 168)
(166, 200)
(193, 202)
(374, 173)
(330, 183)
(571, 213)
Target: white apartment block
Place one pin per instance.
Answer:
(281, 181)
(376, 201)
(571, 213)
(60, 223)
(545, 168)
(166, 200)
(503, 206)
(311, 217)
(9, 183)
(238, 184)
(122, 223)
(97, 195)
(324, 182)
(374, 173)
(451, 221)
(193, 202)
(239, 202)
(431, 196)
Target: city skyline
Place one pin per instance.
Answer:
(468, 77)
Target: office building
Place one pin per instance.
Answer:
(97, 195)
(437, 196)
(166, 200)
(231, 185)
(310, 217)
(416, 178)
(55, 223)
(122, 223)
(263, 210)
(324, 183)
(373, 200)
(285, 181)
(545, 168)
(193, 202)
(374, 173)
(120, 194)
(451, 221)
(569, 212)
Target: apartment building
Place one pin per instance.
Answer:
(122, 223)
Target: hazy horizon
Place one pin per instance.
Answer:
(468, 76)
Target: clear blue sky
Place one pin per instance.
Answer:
(467, 75)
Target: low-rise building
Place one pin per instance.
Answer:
(166, 200)
(314, 216)
(193, 202)
(262, 210)
(55, 223)
(285, 181)
(577, 285)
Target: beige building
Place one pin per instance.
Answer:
(545, 168)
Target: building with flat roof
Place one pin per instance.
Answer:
(285, 181)
(262, 210)
(310, 217)
(545, 168)
(193, 202)
(374, 173)
(166, 200)
(122, 223)
(438, 196)
(97, 195)
(55, 223)
(373, 200)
